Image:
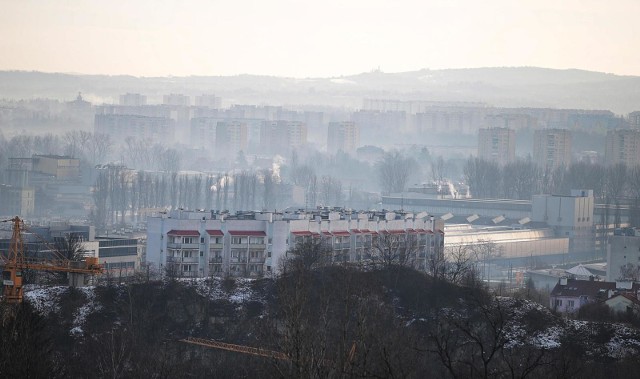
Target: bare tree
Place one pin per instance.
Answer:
(438, 170)
(485, 251)
(458, 264)
(330, 191)
(308, 254)
(101, 146)
(391, 250)
(630, 271)
(520, 179)
(394, 171)
(483, 177)
(469, 343)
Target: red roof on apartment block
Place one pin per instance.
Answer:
(356, 231)
(326, 233)
(252, 233)
(215, 233)
(397, 231)
(189, 233)
(302, 233)
(341, 233)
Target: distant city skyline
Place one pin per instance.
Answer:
(312, 39)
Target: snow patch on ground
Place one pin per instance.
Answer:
(548, 339)
(214, 289)
(80, 316)
(44, 299)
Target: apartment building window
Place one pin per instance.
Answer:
(558, 303)
(216, 240)
(256, 241)
(239, 240)
(187, 240)
(570, 303)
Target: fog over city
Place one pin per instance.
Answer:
(300, 189)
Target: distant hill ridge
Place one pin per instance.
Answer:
(496, 86)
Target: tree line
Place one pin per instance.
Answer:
(523, 178)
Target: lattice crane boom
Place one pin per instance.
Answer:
(16, 261)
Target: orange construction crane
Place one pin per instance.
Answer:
(256, 350)
(16, 261)
(237, 348)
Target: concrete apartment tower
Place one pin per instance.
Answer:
(343, 136)
(623, 146)
(552, 148)
(497, 145)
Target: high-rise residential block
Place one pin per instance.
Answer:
(343, 136)
(231, 137)
(176, 99)
(552, 148)
(634, 120)
(133, 99)
(623, 146)
(282, 137)
(209, 101)
(497, 145)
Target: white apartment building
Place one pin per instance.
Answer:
(623, 249)
(202, 243)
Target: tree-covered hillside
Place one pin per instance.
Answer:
(328, 321)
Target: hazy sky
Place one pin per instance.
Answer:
(316, 38)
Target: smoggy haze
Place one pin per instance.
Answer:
(328, 38)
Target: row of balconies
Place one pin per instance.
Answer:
(182, 259)
(248, 246)
(245, 260)
(172, 245)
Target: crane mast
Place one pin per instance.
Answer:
(12, 273)
(16, 262)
